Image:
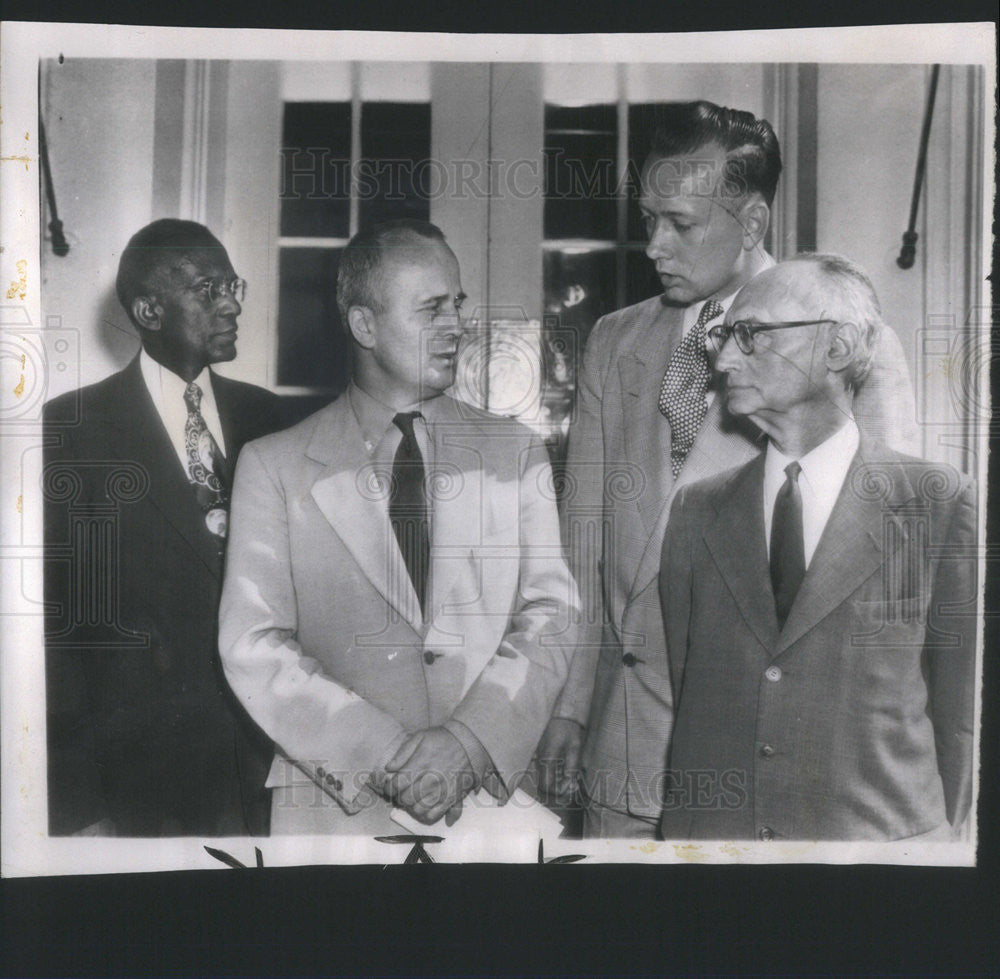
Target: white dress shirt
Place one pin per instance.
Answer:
(823, 472)
(167, 391)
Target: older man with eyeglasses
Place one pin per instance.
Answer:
(144, 737)
(819, 601)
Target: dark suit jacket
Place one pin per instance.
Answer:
(855, 721)
(142, 729)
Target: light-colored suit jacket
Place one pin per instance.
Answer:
(855, 721)
(619, 487)
(321, 632)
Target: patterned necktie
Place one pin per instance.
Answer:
(685, 382)
(788, 555)
(206, 465)
(408, 505)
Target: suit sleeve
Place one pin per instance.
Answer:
(510, 703)
(676, 580)
(884, 405)
(582, 517)
(951, 654)
(332, 734)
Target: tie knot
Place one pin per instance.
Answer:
(192, 397)
(792, 471)
(710, 311)
(404, 422)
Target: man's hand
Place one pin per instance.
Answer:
(429, 775)
(559, 760)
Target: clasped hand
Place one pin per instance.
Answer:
(429, 775)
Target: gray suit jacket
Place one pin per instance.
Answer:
(322, 636)
(619, 488)
(855, 721)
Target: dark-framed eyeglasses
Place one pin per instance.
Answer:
(743, 331)
(210, 291)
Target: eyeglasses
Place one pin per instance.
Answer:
(743, 332)
(212, 290)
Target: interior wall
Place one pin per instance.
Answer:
(869, 119)
(101, 154)
(251, 212)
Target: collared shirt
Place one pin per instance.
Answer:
(691, 314)
(824, 470)
(381, 436)
(382, 439)
(167, 391)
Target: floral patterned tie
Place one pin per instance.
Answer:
(685, 382)
(206, 465)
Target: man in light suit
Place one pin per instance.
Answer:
(647, 422)
(819, 601)
(397, 608)
(144, 736)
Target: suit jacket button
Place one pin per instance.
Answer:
(320, 771)
(629, 660)
(773, 673)
(335, 782)
(767, 751)
(766, 833)
(429, 657)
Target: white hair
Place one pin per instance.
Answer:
(852, 302)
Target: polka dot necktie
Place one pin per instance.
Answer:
(206, 465)
(685, 383)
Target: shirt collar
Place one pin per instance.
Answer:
(823, 468)
(693, 311)
(374, 417)
(164, 384)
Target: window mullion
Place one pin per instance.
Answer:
(621, 229)
(355, 202)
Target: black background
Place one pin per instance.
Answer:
(574, 920)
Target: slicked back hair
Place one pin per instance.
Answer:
(359, 278)
(753, 155)
(155, 249)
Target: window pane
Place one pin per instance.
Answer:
(580, 172)
(641, 280)
(395, 177)
(642, 120)
(315, 178)
(313, 350)
(579, 288)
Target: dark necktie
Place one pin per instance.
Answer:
(408, 504)
(206, 465)
(788, 555)
(685, 383)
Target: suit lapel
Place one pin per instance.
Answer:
(234, 430)
(736, 542)
(142, 438)
(646, 432)
(850, 550)
(353, 497)
(720, 444)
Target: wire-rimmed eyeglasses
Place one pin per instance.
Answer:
(211, 291)
(743, 332)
